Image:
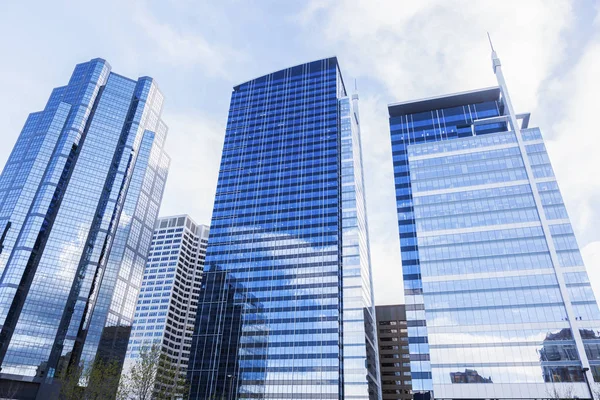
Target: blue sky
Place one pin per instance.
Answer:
(396, 50)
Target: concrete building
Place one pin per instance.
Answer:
(394, 358)
(166, 307)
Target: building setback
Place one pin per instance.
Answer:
(498, 301)
(79, 196)
(286, 306)
(166, 307)
(394, 358)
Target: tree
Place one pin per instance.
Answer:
(154, 376)
(171, 381)
(567, 392)
(98, 381)
(70, 388)
(596, 390)
(142, 376)
(101, 380)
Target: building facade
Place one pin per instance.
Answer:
(498, 301)
(394, 357)
(286, 306)
(166, 307)
(80, 193)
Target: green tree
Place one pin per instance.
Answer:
(102, 379)
(70, 388)
(170, 381)
(142, 375)
(98, 381)
(154, 376)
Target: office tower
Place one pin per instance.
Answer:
(394, 358)
(166, 307)
(81, 191)
(286, 307)
(493, 277)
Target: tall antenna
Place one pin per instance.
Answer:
(355, 86)
(495, 59)
(490, 39)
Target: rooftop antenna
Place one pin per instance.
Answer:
(497, 67)
(495, 59)
(355, 94)
(490, 39)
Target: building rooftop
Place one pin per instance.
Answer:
(295, 69)
(444, 101)
(172, 221)
(390, 312)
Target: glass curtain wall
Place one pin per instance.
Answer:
(486, 306)
(274, 296)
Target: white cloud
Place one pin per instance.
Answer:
(573, 142)
(183, 48)
(194, 143)
(433, 47)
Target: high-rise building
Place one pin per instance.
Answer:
(80, 191)
(166, 307)
(394, 358)
(498, 300)
(286, 306)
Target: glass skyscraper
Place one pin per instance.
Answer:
(168, 300)
(499, 304)
(286, 306)
(79, 196)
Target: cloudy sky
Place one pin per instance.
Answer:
(396, 51)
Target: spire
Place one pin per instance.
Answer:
(355, 94)
(503, 89)
(495, 59)
(490, 39)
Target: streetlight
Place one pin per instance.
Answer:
(585, 370)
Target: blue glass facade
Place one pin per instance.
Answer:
(286, 307)
(498, 300)
(81, 191)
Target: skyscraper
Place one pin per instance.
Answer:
(166, 307)
(394, 358)
(286, 306)
(498, 300)
(81, 191)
